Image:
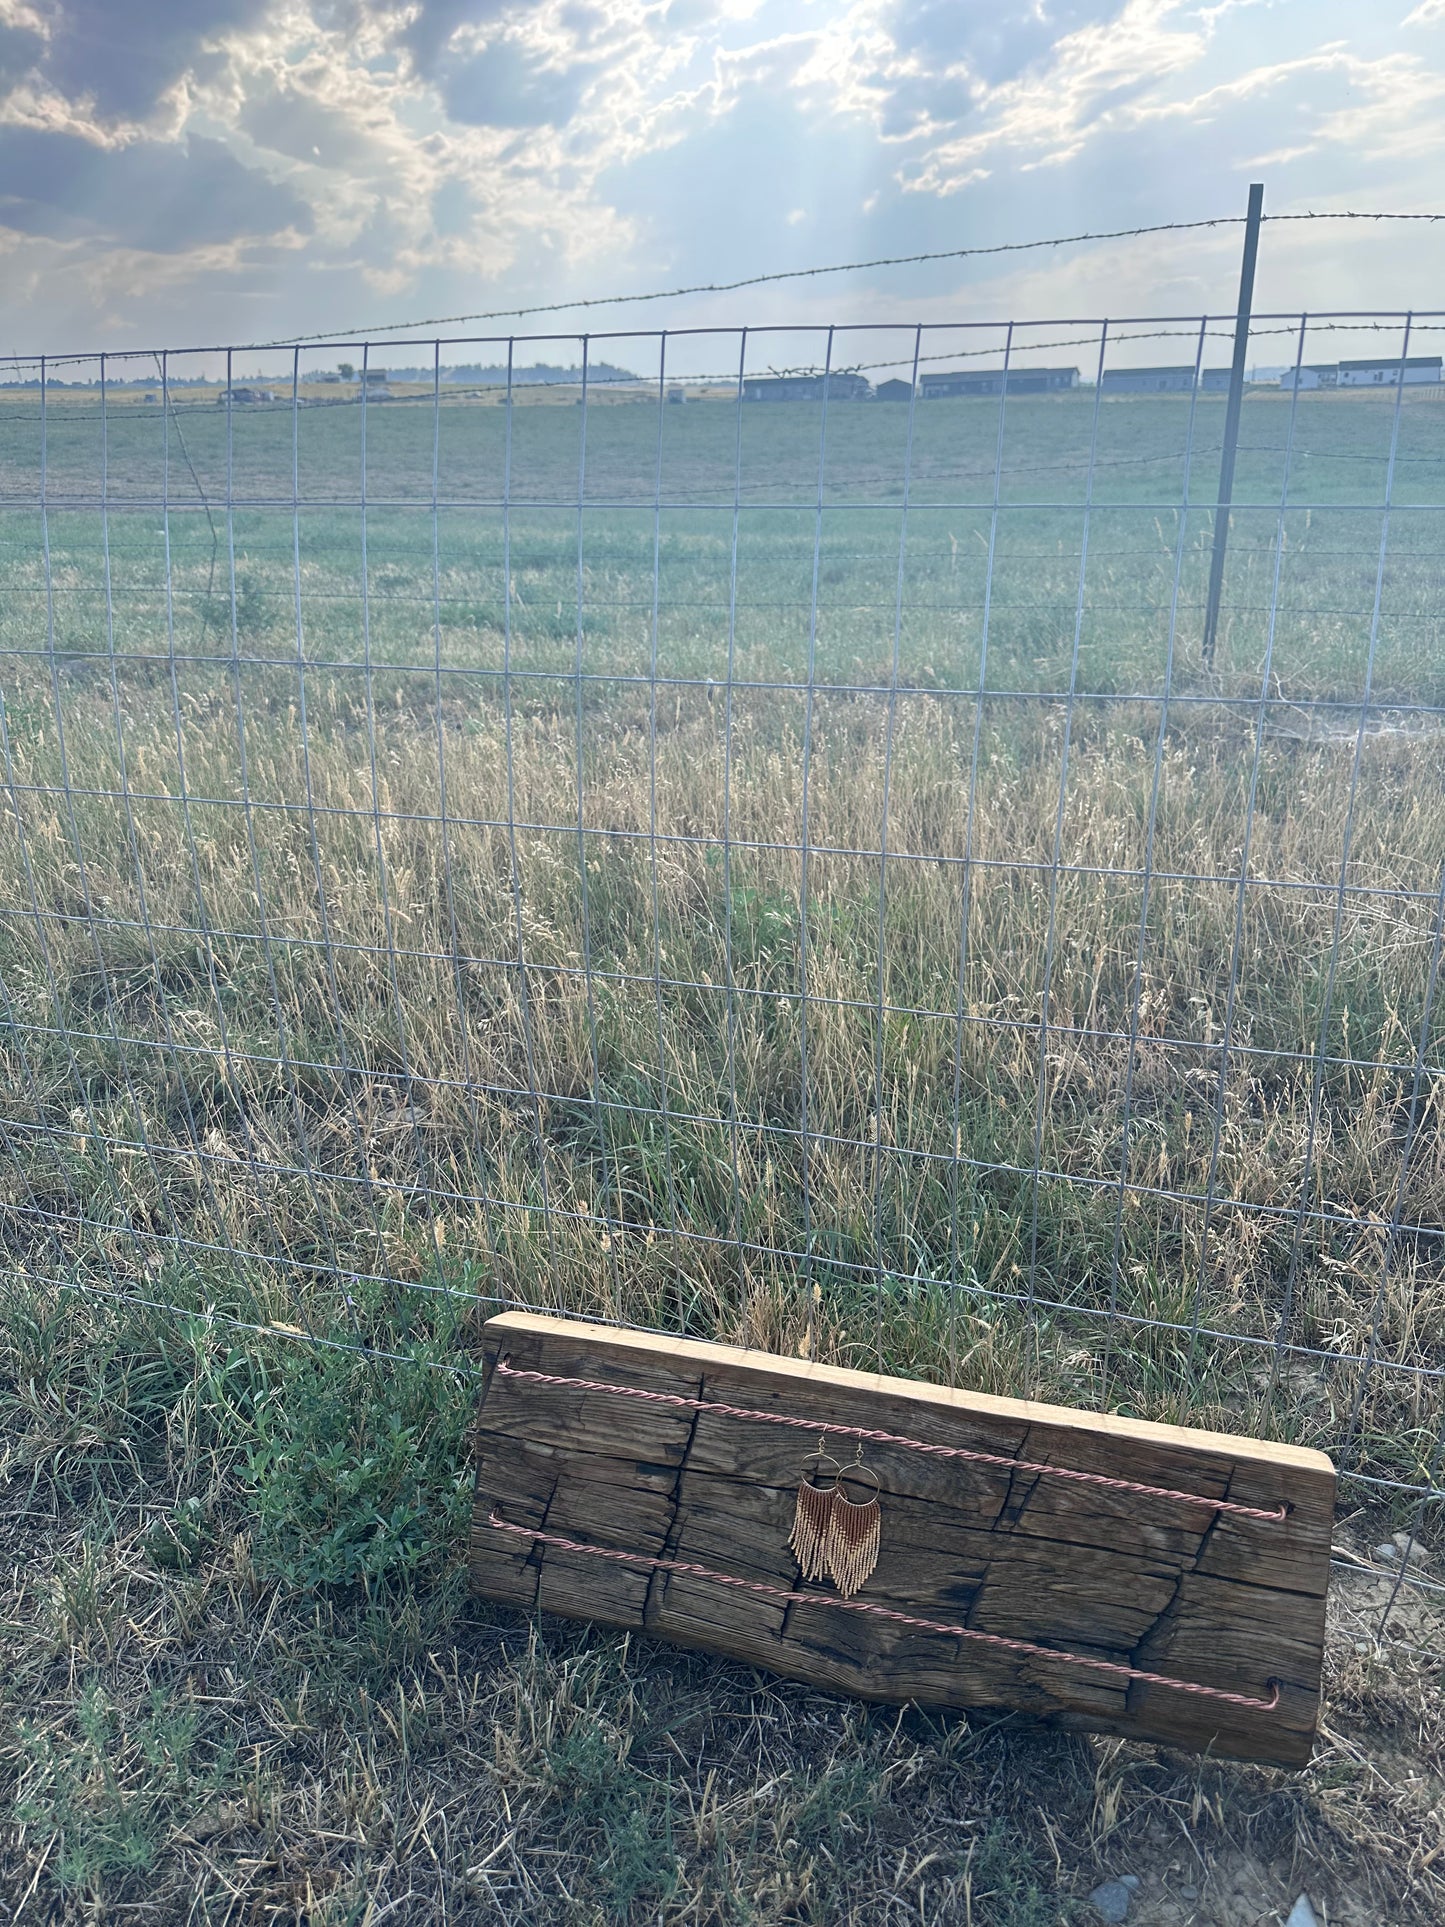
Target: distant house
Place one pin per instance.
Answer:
(840, 385)
(677, 394)
(1384, 371)
(1316, 375)
(893, 391)
(989, 381)
(375, 376)
(1176, 380)
(245, 397)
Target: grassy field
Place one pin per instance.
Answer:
(404, 911)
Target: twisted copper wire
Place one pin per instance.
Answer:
(784, 1597)
(1273, 1516)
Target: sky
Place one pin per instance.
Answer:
(247, 170)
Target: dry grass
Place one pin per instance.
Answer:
(273, 1073)
(345, 1077)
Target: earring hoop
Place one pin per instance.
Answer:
(854, 1530)
(821, 1453)
(856, 1469)
(814, 1509)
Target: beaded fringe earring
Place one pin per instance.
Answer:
(813, 1512)
(853, 1531)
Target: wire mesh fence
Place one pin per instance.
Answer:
(735, 832)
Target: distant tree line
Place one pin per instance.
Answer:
(493, 375)
(496, 373)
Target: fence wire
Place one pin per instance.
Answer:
(766, 862)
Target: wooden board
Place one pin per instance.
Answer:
(1164, 1585)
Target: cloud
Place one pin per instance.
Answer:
(920, 70)
(287, 118)
(428, 32)
(1046, 112)
(1381, 108)
(910, 104)
(521, 65)
(504, 85)
(124, 55)
(161, 197)
(996, 43)
(21, 47)
(452, 208)
(541, 148)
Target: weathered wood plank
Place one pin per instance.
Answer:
(1157, 1583)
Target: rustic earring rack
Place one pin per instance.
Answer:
(1026, 1559)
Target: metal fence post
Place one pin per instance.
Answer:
(1231, 417)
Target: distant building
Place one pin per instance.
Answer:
(893, 391)
(1317, 375)
(989, 381)
(837, 386)
(376, 376)
(1378, 372)
(677, 394)
(1384, 371)
(1177, 380)
(152, 397)
(245, 397)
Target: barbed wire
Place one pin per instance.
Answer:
(340, 335)
(857, 267)
(782, 274)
